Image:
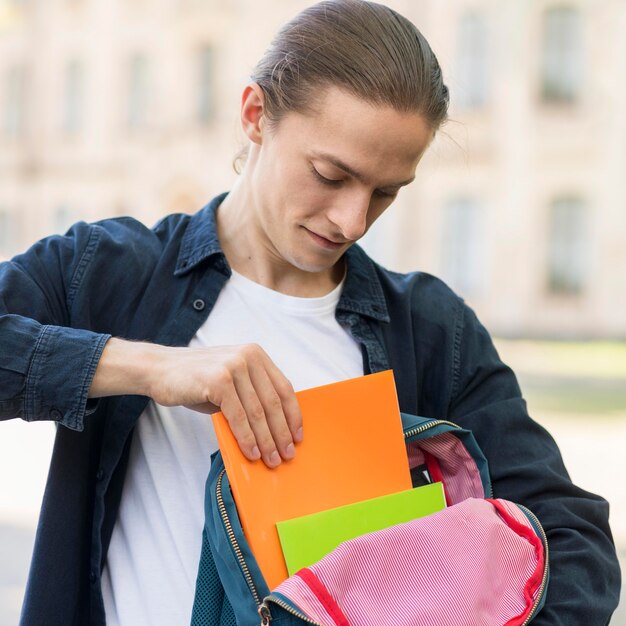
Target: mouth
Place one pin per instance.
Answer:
(328, 244)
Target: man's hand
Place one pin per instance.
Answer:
(241, 381)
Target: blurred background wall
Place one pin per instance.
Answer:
(130, 107)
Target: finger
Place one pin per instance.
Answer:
(289, 401)
(274, 413)
(235, 414)
(256, 417)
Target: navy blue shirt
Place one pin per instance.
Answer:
(63, 299)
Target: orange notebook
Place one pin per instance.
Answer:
(353, 450)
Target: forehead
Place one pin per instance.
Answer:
(353, 129)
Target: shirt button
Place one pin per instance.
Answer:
(100, 474)
(56, 415)
(92, 576)
(198, 304)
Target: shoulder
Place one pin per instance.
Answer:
(424, 295)
(129, 230)
(123, 239)
(117, 231)
(121, 249)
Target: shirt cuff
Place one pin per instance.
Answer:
(59, 377)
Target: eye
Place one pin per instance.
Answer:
(385, 194)
(331, 182)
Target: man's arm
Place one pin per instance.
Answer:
(46, 366)
(526, 467)
(241, 381)
(49, 369)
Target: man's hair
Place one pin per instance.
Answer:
(365, 48)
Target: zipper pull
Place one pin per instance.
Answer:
(264, 612)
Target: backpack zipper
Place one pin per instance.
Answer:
(233, 540)
(266, 616)
(417, 430)
(262, 607)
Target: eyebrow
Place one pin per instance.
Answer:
(349, 170)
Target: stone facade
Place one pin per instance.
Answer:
(131, 107)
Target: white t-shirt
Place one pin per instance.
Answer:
(152, 563)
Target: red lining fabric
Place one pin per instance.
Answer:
(534, 581)
(323, 596)
(435, 473)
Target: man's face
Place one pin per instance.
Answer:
(321, 179)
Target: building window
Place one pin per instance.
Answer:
(15, 101)
(74, 94)
(562, 55)
(206, 88)
(472, 61)
(138, 91)
(462, 257)
(567, 246)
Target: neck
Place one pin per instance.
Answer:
(250, 253)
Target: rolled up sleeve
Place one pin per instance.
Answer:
(62, 367)
(46, 366)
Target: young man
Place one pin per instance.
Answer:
(127, 336)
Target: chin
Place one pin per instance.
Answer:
(313, 266)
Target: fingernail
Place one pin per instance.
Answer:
(290, 451)
(256, 453)
(299, 434)
(274, 458)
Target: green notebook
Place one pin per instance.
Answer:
(305, 540)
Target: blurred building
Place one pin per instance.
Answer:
(111, 107)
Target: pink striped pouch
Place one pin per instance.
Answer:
(476, 563)
(479, 562)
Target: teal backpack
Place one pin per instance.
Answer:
(507, 545)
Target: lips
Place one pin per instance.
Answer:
(329, 244)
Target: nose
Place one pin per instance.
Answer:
(350, 216)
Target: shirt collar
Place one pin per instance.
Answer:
(362, 292)
(200, 240)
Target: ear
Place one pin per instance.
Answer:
(253, 112)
